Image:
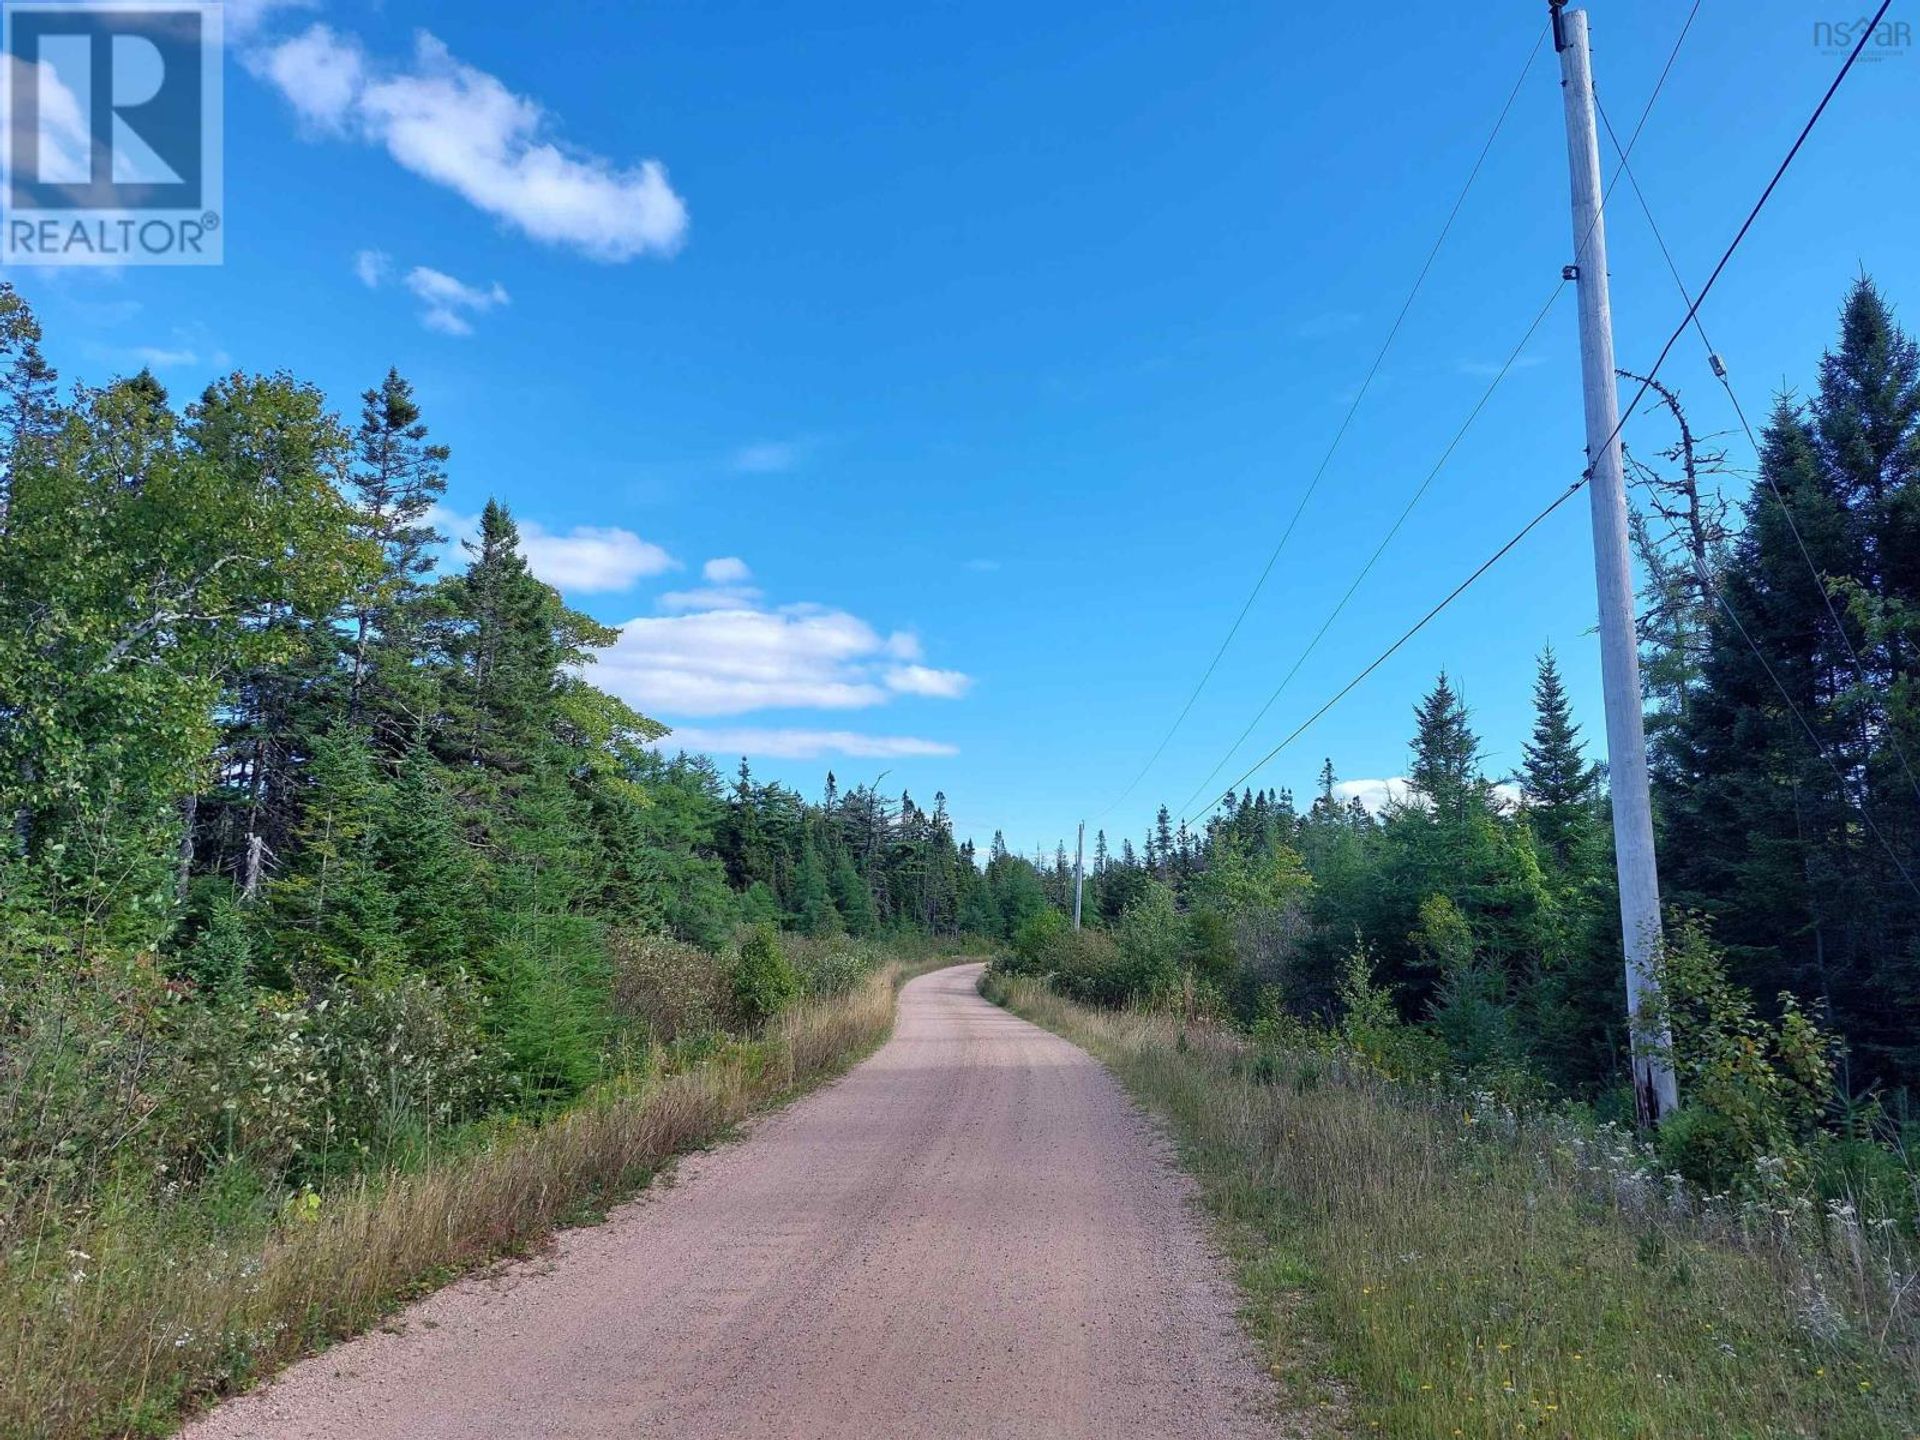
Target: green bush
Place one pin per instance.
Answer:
(1033, 941)
(667, 990)
(831, 964)
(764, 980)
(1749, 1088)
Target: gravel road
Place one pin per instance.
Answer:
(972, 1234)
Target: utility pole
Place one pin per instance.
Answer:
(1654, 1090)
(1079, 873)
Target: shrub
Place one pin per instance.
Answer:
(1033, 940)
(764, 980)
(831, 964)
(1749, 1088)
(402, 1060)
(667, 989)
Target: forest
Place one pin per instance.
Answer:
(321, 842)
(1470, 927)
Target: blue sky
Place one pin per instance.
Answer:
(988, 348)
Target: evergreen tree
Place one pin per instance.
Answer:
(1557, 782)
(397, 479)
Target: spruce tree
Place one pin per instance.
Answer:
(1556, 779)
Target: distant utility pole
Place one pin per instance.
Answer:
(1654, 1090)
(1079, 873)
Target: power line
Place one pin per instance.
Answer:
(1718, 367)
(1380, 549)
(1419, 625)
(1693, 309)
(1339, 434)
(1673, 54)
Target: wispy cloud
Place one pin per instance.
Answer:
(726, 570)
(790, 744)
(925, 680)
(459, 127)
(450, 303)
(372, 267)
(1487, 369)
(767, 457)
(1379, 796)
(244, 19)
(161, 358)
(983, 567)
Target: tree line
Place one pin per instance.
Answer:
(1781, 653)
(287, 792)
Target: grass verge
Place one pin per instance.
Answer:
(1406, 1268)
(155, 1310)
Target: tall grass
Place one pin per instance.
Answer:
(1459, 1273)
(151, 1308)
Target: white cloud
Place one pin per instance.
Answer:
(784, 744)
(1487, 369)
(373, 267)
(161, 358)
(731, 660)
(1378, 796)
(712, 597)
(451, 302)
(462, 128)
(321, 74)
(65, 141)
(592, 559)
(766, 457)
(586, 560)
(727, 570)
(923, 680)
(1375, 795)
(244, 18)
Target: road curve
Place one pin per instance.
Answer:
(972, 1234)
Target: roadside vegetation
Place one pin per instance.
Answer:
(1389, 1024)
(1426, 1261)
(348, 934)
(118, 1314)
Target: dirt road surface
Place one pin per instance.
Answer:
(973, 1234)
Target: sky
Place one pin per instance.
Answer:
(922, 388)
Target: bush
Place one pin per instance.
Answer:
(764, 980)
(1033, 941)
(1750, 1089)
(402, 1060)
(831, 964)
(666, 989)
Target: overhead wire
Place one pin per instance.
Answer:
(1717, 365)
(1689, 319)
(1646, 110)
(1340, 433)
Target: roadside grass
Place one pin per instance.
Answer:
(155, 1310)
(1453, 1281)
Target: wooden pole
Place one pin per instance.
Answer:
(1655, 1092)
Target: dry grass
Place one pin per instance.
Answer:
(115, 1330)
(1433, 1279)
